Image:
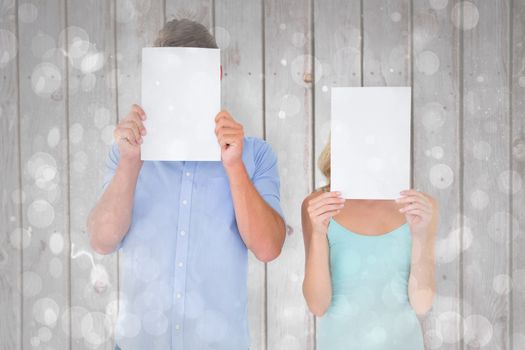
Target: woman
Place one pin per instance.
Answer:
(369, 267)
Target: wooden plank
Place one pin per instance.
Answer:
(137, 26)
(337, 31)
(518, 176)
(288, 118)
(486, 160)
(436, 103)
(240, 39)
(92, 116)
(386, 43)
(11, 193)
(44, 164)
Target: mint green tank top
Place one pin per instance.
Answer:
(370, 309)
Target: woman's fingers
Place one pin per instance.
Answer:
(324, 209)
(417, 206)
(415, 199)
(324, 218)
(326, 200)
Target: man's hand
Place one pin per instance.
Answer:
(230, 135)
(129, 132)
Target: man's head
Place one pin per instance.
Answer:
(185, 33)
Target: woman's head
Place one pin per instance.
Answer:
(185, 33)
(323, 162)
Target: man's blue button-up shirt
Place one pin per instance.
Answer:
(183, 265)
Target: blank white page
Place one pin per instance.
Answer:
(181, 96)
(370, 141)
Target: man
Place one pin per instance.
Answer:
(184, 228)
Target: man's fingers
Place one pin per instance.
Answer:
(135, 117)
(134, 127)
(130, 130)
(139, 110)
(227, 124)
(221, 115)
(126, 133)
(228, 140)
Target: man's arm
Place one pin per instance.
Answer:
(110, 219)
(261, 227)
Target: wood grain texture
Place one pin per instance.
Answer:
(44, 164)
(240, 41)
(137, 25)
(74, 85)
(486, 160)
(11, 194)
(92, 118)
(337, 33)
(517, 166)
(288, 118)
(436, 156)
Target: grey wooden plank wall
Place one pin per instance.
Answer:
(464, 60)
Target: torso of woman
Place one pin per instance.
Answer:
(370, 256)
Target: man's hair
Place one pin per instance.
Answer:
(185, 33)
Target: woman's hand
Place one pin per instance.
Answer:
(419, 210)
(129, 132)
(322, 208)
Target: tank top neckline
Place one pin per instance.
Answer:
(364, 235)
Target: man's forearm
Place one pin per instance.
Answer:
(262, 228)
(110, 219)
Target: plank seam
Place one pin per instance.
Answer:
(361, 41)
(115, 47)
(20, 209)
(263, 70)
(313, 319)
(68, 221)
(511, 184)
(461, 343)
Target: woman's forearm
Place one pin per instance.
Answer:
(110, 219)
(317, 287)
(422, 283)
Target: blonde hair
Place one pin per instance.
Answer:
(323, 162)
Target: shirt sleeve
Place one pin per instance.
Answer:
(266, 176)
(111, 163)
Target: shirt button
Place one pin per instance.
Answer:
(182, 233)
(179, 295)
(180, 264)
(188, 173)
(184, 201)
(177, 326)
